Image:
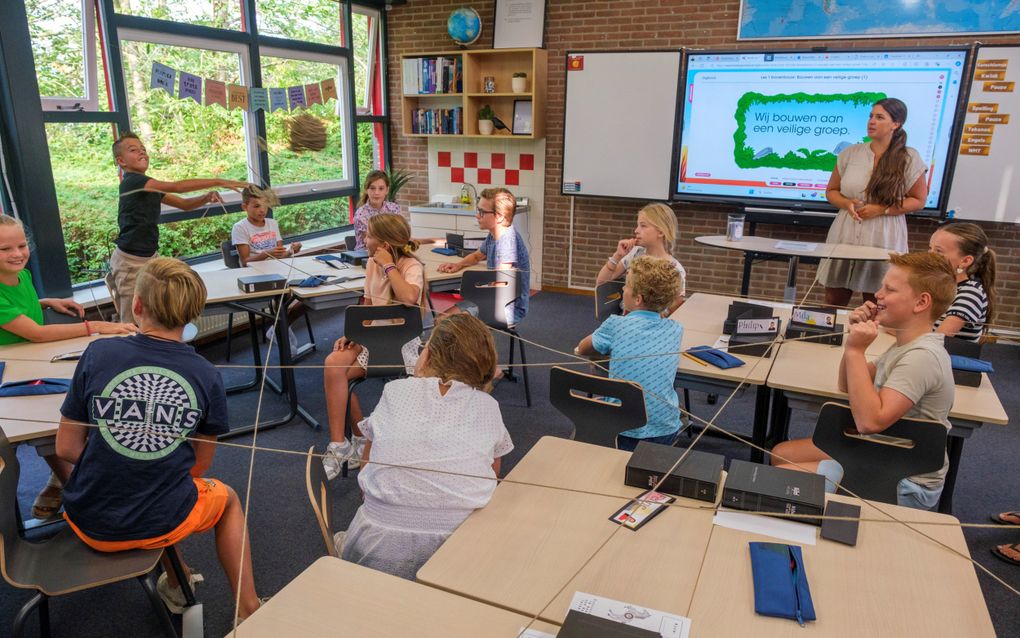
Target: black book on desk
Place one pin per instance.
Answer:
(744, 310)
(697, 477)
(261, 283)
(754, 336)
(762, 488)
(964, 348)
(356, 257)
(581, 625)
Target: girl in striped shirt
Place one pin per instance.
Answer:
(965, 245)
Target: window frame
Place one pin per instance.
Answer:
(90, 101)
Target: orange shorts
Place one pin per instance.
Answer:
(211, 503)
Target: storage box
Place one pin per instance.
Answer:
(697, 477)
(964, 348)
(261, 283)
(763, 488)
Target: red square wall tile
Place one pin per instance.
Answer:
(484, 176)
(444, 158)
(527, 162)
(498, 160)
(470, 160)
(512, 178)
(457, 175)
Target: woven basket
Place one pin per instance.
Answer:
(306, 132)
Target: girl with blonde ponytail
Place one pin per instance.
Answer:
(393, 274)
(966, 247)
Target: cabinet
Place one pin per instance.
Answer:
(473, 67)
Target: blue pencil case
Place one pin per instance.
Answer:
(780, 582)
(718, 358)
(449, 252)
(970, 364)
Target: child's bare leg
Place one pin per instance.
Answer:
(356, 415)
(168, 567)
(798, 454)
(336, 376)
(230, 536)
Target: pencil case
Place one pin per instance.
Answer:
(780, 582)
(449, 252)
(718, 358)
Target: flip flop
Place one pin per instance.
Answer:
(997, 518)
(998, 553)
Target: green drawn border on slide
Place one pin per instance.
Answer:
(818, 159)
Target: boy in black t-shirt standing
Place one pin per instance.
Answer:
(138, 215)
(139, 424)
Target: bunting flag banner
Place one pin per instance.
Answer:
(162, 78)
(237, 97)
(191, 86)
(296, 94)
(314, 93)
(258, 98)
(215, 93)
(278, 99)
(329, 90)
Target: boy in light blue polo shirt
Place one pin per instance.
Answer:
(652, 284)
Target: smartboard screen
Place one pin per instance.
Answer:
(767, 127)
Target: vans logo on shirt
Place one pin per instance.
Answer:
(145, 412)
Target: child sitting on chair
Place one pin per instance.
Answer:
(138, 424)
(635, 338)
(257, 237)
(439, 419)
(913, 378)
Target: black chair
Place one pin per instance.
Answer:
(321, 498)
(383, 330)
(582, 398)
(609, 299)
(491, 291)
(872, 467)
(350, 242)
(62, 564)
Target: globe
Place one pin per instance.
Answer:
(464, 25)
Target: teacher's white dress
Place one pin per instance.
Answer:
(855, 164)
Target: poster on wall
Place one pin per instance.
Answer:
(520, 24)
(829, 19)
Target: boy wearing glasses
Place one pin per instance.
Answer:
(503, 249)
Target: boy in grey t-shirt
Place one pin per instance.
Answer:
(257, 237)
(914, 378)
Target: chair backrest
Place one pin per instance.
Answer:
(350, 242)
(873, 466)
(10, 471)
(582, 398)
(373, 327)
(321, 498)
(230, 256)
(491, 291)
(609, 299)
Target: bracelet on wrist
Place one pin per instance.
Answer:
(388, 267)
(613, 261)
(88, 329)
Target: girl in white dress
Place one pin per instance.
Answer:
(440, 419)
(874, 185)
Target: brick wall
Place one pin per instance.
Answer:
(420, 25)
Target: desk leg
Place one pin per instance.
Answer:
(954, 448)
(790, 294)
(761, 422)
(779, 419)
(745, 283)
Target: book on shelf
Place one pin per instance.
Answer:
(437, 121)
(432, 76)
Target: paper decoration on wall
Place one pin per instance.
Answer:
(237, 97)
(313, 93)
(162, 77)
(329, 90)
(258, 98)
(215, 93)
(296, 95)
(191, 86)
(277, 99)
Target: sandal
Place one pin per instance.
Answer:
(47, 503)
(998, 518)
(1001, 555)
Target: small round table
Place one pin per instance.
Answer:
(793, 251)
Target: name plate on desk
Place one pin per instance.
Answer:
(814, 317)
(758, 326)
(754, 337)
(802, 246)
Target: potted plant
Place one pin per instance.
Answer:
(485, 116)
(519, 82)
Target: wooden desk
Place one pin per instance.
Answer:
(753, 245)
(702, 317)
(528, 542)
(893, 583)
(336, 598)
(807, 375)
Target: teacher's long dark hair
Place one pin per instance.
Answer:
(888, 184)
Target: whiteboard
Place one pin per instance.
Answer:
(619, 123)
(986, 184)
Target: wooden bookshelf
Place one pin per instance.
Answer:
(476, 65)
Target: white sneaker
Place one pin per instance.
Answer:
(336, 454)
(291, 336)
(173, 597)
(359, 451)
(339, 539)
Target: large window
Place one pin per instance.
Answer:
(223, 14)
(369, 89)
(64, 45)
(305, 20)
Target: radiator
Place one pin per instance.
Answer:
(213, 325)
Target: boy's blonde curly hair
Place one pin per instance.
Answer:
(655, 280)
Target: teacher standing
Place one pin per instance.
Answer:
(873, 185)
